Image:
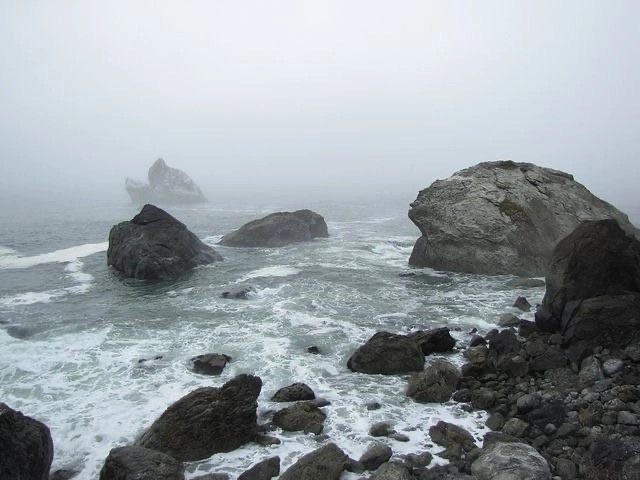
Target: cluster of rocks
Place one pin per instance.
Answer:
(156, 246)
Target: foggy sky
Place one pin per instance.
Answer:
(316, 97)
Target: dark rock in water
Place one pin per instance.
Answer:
(26, 448)
(522, 303)
(381, 429)
(501, 218)
(407, 274)
(313, 350)
(166, 185)
(477, 340)
(241, 294)
(593, 286)
(63, 475)
(145, 360)
(138, 463)
(375, 455)
(508, 320)
(435, 384)
(510, 461)
(447, 434)
(300, 417)
(206, 421)
(373, 406)
(391, 471)
(325, 463)
(213, 476)
(278, 229)
(265, 470)
(525, 283)
(210, 363)
(387, 354)
(294, 393)
(437, 340)
(156, 246)
(483, 398)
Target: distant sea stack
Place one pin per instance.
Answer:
(166, 186)
(278, 229)
(502, 218)
(156, 246)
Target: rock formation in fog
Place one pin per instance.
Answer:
(278, 229)
(502, 218)
(166, 185)
(156, 246)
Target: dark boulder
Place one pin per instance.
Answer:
(63, 474)
(138, 463)
(300, 417)
(293, 393)
(264, 470)
(593, 286)
(387, 354)
(504, 341)
(375, 455)
(26, 448)
(206, 421)
(437, 340)
(325, 463)
(434, 384)
(156, 246)
(447, 435)
(522, 303)
(392, 471)
(210, 363)
(611, 458)
(239, 294)
(501, 218)
(278, 229)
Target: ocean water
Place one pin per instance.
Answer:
(72, 331)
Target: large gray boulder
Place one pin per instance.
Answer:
(278, 229)
(156, 246)
(206, 421)
(593, 286)
(434, 384)
(138, 463)
(325, 463)
(26, 448)
(510, 461)
(166, 185)
(501, 218)
(388, 354)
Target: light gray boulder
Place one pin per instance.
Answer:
(166, 185)
(502, 218)
(510, 461)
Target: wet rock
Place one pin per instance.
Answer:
(399, 437)
(515, 427)
(325, 463)
(521, 303)
(238, 294)
(387, 354)
(210, 363)
(612, 366)
(391, 471)
(549, 359)
(447, 434)
(526, 328)
(375, 455)
(63, 474)
(483, 398)
(278, 229)
(528, 402)
(550, 412)
(435, 384)
(373, 406)
(26, 448)
(156, 246)
(313, 350)
(418, 459)
(504, 341)
(590, 372)
(266, 440)
(138, 463)
(294, 393)
(477, 355)
(206, 421)
(495, 421)
(264, 470)
(477, 340)
(437, 340)
(381, 429)
(566, 469)
(510, 461)
(462, 395)
(213, 476)
(508, 320)
(300, 417)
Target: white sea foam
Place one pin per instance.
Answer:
(65, 255)
(274, 271)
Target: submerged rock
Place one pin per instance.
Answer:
(501, 218)
(138, 463)
(278, 229)
(156, 246)
(325, 463)
(206, 421)
(26, 448)
(239, 294)
(166, 185)
(387, 354)
(210, 363)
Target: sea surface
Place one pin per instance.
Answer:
(73, 332)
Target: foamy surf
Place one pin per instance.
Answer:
(11, 260)
(275, 271)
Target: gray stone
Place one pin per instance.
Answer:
(156, 246)
(590, 372)
(508, 320)
(325, 463)
(210, 363)
(510, 461)
(515, 427)
(483, 398)
(627, 418)
(528, 402)
(477, 355)
(375, 455)
(566, 469)
(294, 393)
(447, 434)
(278, 229)
(501, 218)
(391, 471)
(437, 340)
(381, 429)
(387, 354)
(300, 417)
(138, 463)
(521, 303)
(435, 384)
(495, 421)
(264, 470)
(612, 366)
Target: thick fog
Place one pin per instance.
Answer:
(318, 98)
